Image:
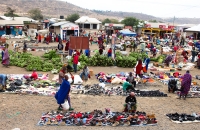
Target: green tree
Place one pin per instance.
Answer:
(35, 14)
(107, 20)
(130, 21)
(73, 17)
(10, 12)
(153, 21)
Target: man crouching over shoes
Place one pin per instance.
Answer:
(131, 103)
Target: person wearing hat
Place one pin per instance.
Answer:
(75, 61)
(131, 103)
(3, 79)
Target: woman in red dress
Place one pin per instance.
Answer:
(138, 68)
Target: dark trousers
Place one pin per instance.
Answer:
(134, 83)
(75, 67)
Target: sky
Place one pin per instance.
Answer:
(158, 8)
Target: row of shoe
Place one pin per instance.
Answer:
(183, 117)
(151, 93)
(97, 118)
(99, 90)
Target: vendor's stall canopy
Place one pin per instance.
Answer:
(194, 29)
(127, 32)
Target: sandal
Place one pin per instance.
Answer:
(71, 109)
(60, 108)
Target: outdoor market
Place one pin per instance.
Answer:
(67, 76)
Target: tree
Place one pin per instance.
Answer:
(10, 12)
(130, 21)
(35, 14)
(107, 20)
(73, 17)
(153, 21)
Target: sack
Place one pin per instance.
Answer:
(65, 105)
(18, 82)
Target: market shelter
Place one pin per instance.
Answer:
(65, 29)
(11, 27)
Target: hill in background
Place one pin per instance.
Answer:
(54, 8)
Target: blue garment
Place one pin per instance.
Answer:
(3, 78)
(75, 67)
(87, 52)
(63, 92)
(147, 63)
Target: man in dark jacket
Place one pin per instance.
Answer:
(131, 103)
(60, 46)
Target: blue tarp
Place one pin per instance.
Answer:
(128, 33)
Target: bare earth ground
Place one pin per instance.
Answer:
(24, 111)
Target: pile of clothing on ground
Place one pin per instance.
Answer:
(167, 77)
(184, 118)
(21, 84)
(97, 118)
(118, 78)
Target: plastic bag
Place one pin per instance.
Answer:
(77, 79)
(65, 105)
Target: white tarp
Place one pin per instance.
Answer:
(194, 29)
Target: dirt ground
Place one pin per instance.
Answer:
(24, 111)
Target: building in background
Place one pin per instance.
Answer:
(87, 23)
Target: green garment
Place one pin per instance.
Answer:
(143, 46)
(126, 85)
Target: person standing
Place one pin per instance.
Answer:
(67, 46)
(185, 85)
(63, 93)
(24, 47)
(6, 58)
(75, 62)
(60, 46)
(193, 54)
(62, 74)
(110, 52)
(138, 68)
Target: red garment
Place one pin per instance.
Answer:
(34, 75)
(109, 51)
(175, 48)
(176, 74)
(75, 59)
(56, 38)
(67, 46)
(40, 37)
(149, 46)
(139, 67)
(78, 53)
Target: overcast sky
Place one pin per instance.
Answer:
(159, 8)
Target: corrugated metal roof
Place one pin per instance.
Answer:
(60, 23)
(11, 22)
(86, 19)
